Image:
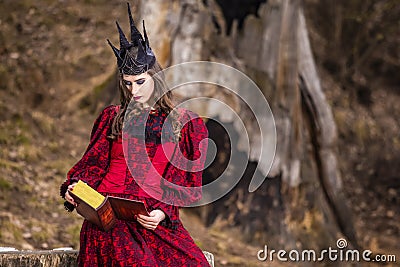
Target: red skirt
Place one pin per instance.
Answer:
(130, 244)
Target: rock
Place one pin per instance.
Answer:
(27, 246)
(14, 55)
(27, 235)
(390, 213)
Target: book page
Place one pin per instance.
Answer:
(88, 194)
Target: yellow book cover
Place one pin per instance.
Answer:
(88, 194)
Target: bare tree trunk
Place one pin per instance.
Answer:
(324, 131)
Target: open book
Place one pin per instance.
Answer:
(103, 211)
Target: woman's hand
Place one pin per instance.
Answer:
(68, 196)
(151, 222)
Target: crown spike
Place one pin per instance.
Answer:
(146, 39)
(115, 50)
(141, 55)
(135, 34)
(132, 23)
(123, 42)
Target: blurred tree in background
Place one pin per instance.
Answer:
(361, 42)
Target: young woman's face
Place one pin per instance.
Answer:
(141, 86)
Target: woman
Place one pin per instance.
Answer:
(115, 153)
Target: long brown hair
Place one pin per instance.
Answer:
(164, 102)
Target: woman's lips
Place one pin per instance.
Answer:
(136, 97)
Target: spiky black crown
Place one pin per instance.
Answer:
(137, 60)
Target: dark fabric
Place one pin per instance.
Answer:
(129, 243)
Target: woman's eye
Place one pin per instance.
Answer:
(140, 81)
(127, 83)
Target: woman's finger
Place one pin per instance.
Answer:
(148, 218)
(147, 222)
(69, 198)
(151, 227)
(147, 225)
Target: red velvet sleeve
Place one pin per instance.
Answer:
(93, 165)
(182, 183)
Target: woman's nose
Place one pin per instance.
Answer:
(134, 90)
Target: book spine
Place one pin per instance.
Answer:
(107, 216)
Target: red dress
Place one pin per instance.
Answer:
(104, 167)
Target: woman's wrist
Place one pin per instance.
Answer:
(159, 214)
